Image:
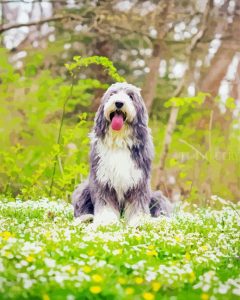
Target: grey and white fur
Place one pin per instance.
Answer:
(120, 163)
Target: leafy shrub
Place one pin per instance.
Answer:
(34, 160)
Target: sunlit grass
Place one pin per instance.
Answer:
(44, 255)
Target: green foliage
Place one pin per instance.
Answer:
(230, 103)
(98, 60)
(200, 151)
(31, 108)
(187, 101)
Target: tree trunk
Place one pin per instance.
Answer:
(235, 92)
(212, 79)
(102, 48)
(167, 141)
(150, 83)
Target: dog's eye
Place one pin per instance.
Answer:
(130, 95)
(112, 93)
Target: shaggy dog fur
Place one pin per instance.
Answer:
(120, 161)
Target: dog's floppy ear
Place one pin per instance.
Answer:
(142, 115)
(140, 122)
(100, 126)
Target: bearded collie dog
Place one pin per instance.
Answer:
(120, 163)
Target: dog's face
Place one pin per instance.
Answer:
(122, 103)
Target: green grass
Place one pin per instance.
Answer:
(45, 255)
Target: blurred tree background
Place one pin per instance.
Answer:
(185, 55)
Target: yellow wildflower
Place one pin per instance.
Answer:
(204, 248)
(5, 235)
(122, 280)
(139, 280)
(45, 297)
(30, 258)
(95, 289)
(178, 238)
(151, 247)
(87, 269)
(90, 252)
(204, 296)
(192, 276)
(129, 291)
(97, 278)
(152, 253)
(148, 296)
(156, 286)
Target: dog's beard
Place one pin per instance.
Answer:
(118, 117)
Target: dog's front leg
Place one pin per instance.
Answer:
(105, 206)
(137, 206)
(105, 214)
(135, 214)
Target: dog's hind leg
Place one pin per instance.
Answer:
(82, 203)
(159, 205)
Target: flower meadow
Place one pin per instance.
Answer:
(46, 254)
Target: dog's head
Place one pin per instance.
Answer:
(121, 105)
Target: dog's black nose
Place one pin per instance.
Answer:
(118, 104)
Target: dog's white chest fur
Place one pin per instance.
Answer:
(116, 167)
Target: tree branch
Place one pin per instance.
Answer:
(36, 1)
(7, 27)
(151, 80)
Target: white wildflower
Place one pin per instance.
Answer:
(51, 263)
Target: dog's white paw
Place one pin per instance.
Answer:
(105, 221)
(106, 217)
(138, 220)
(88, 218)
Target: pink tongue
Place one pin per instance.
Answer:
(117, 122)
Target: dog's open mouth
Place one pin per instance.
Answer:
(117, 119)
